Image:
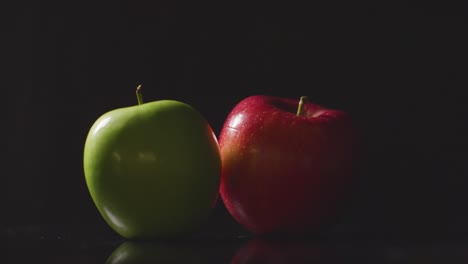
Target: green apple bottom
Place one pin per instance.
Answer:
(153, 169)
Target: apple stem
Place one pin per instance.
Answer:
(300, 107)
(139, 95)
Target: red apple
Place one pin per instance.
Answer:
(287, 165)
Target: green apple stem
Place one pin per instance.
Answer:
(139, 95)
(300, 107)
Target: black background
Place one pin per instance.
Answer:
(397, 68)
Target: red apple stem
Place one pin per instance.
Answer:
(139, 95)
(300, 107)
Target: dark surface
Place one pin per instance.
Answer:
(241, 251)
(399, 71)
(69, 246)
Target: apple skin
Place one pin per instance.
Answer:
(153, 170)
(287, 174)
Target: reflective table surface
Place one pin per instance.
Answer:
(31, 244)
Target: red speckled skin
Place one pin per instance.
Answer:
(283, 173)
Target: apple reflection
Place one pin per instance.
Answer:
(276, 251)
(171, 252)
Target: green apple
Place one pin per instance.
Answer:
(152, 169)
